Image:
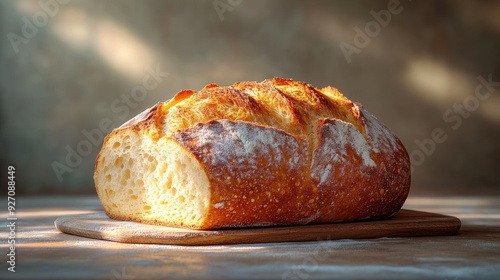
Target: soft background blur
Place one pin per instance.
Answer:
(72, 68)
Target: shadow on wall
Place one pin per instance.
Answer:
(73, 70)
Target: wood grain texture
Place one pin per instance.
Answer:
(404, 224)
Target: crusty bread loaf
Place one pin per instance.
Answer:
(279, 152)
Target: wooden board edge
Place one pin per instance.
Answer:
(443, 225)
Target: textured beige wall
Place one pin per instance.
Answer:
(82, 67)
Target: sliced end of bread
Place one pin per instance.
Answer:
(152, 181)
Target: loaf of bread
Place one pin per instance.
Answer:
(278, 152)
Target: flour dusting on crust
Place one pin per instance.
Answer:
(336, 137)
(219, 204)
(381, 138)
(226, 143)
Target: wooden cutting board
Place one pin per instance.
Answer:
(404, 224)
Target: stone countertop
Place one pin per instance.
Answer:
(42, 252)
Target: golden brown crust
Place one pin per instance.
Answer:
(284, 152)
(256, 173)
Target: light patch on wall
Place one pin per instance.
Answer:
(27, 7)
(119, 48)
(74, 26)
(437, 82)
(122, 50)
(490, 109)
